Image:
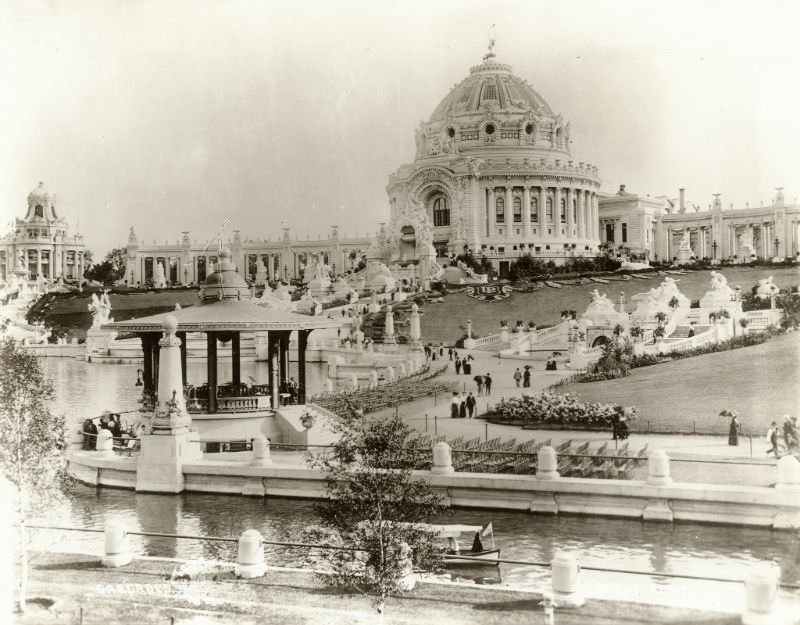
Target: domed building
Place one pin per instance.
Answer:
(493, 173)
(40, 242)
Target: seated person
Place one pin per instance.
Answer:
(477, 545)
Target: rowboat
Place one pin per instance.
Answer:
(477, 554)
(641, 276)
(599, 280)
(550, 283)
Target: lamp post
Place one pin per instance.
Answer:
(777, 243)
(714, 247)
(286, 273)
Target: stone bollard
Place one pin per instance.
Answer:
(547, 466)
(761, 593)
(251, 555)
(117, 552)
(788, 474)
(658, 468)
(401, 369)
(373, 378)
(261, 455)
(565, 572)
(354, 380)
(390, 374)
(328, 385)
(105, 443)
(442, 459)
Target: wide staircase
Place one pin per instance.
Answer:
(682, 331)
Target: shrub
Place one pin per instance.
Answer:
(555, 409)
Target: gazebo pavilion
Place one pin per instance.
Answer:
(226, 309)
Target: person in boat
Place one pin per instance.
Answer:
(477, 544)
(89, 435)
(452, 546)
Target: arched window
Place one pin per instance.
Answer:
(441, 214)
(534, 210)
(549, 210)
(500, 210)
(517, 210)
(38, 211)
(563, 210)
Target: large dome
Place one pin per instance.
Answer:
(490, 84)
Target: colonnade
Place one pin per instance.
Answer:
(50, 262)
(541, 213)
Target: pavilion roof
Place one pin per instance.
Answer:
(226, 315)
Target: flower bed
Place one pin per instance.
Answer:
(550, 409)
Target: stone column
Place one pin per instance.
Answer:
(38, 261)
(595, 215)
(491, 213)
(526, 210)
(581, 217)
(557, 211)
(388, 331)
(414, 329)
(570, 214)
(542, 209)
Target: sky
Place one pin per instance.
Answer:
(175, 115)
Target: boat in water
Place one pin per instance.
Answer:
(599, 280)
(478, 554)
(552, 284)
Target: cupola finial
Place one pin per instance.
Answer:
(491, 53)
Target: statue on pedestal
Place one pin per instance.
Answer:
(100, 307)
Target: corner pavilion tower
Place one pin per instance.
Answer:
(226, 309)
(494, 173)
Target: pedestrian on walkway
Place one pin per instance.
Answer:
(487, 382)
(518, 377)
(479, 381)
(450, 352)
(471, 404)
(526, 377)
(733, 431)
(466, 366)
(462, 409)
(441, 350)
(455, 405)
(772, 439)
(458, 366)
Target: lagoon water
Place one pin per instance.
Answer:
(85, 389)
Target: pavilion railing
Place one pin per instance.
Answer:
(254, 403)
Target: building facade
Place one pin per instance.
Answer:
(654, 227)
(189, 262)
(41, 242)
(494, 173)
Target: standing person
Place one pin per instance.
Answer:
(450, 352)
(455, 406)
(517, 377)
(479, 381)
(458, 366)
(487, 382)
(526, 377)
(462, 409)
(471, 404)
(733, 431)
(772, 439)
(441, 350)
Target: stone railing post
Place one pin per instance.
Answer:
(788, 474)
(261, 456)
(547, 466)
(565, 572)
(328, 385)
(442, 459)
(658, 473)
(761, 593)
(251, 555)
(117, 552)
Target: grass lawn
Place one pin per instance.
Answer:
(441, 321)
(760, 383)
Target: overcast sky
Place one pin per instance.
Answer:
(173, 115)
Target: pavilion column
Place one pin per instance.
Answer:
(272, 367)
(236, 359)
(148, 347)
(211, 370)
(182, 337)
(284, 359)
(490, 213)
(543, 210)
(570, 212)
(302, 342)
(526, 209)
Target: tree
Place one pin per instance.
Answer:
(375, 506)
(32, 442)
(111, 269)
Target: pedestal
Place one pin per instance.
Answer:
(319, 287)
(160, 463)
(98, 342)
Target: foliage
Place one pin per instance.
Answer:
(615, 361)
(32, 440)
(789, 303)
(555, 409)
(375, 503)
(111, 269)
(527, 266)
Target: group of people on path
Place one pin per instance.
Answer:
(462, 406)
(791, 436)
(484, 383)
(461, 364)
(523, 378)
